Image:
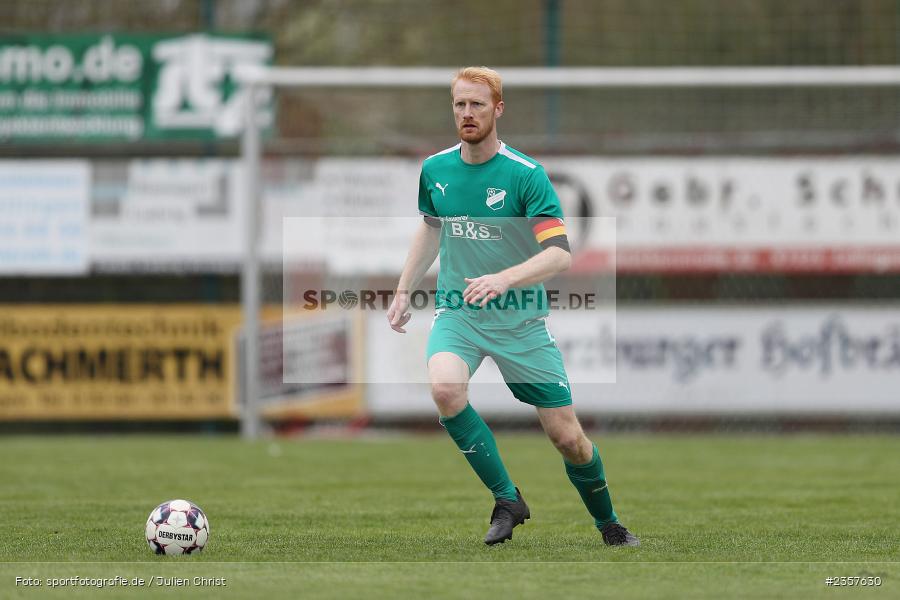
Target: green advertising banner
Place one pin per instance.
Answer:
(118, 87)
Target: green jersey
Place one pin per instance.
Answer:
(492, 216)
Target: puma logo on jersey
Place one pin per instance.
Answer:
(442, 188)
(562, 385)
(495, 198)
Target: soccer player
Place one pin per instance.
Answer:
(494, 217)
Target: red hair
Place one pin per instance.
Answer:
(484, 75)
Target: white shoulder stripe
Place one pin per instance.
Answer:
(512, 155)
(445, 151)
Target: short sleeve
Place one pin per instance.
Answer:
(539, 196)
(544, 211)
(426, 206)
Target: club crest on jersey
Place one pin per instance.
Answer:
(495, 198)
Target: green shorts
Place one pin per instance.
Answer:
(526, 355)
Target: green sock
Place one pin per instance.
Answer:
(590, 482)
(474, 438)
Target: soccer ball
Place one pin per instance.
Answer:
(177, 527)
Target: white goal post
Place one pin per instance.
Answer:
(258, 78)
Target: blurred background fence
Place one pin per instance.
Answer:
(758, 226)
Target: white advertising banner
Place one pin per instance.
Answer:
(44, 217)
(806, 214)
(737, 360)
(160, 214)
(727, 214)
(352, 215)
(186, 214)
(738, 213)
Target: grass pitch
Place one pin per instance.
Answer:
(396, 517)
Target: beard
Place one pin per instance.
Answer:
(477, 135)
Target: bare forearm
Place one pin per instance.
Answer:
(422, 252)
(538, 268)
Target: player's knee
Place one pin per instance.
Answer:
(450, 398)
(569, 443)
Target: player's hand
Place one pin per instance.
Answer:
(398, 314)
(485, 288)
